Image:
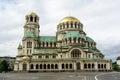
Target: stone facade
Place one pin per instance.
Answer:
(70, 50)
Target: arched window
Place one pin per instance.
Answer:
(39, 56)
(29, 44)
(52, 66)
(56, 66)
(85, 66)
(31, 19)
(39, 44)
(66, 66)
(35, 19)
(46, 56)
(66, 40)
(101, 65)
(40, 66)
(30, 51)
(92, 65)
(78, 40)
(54, 56)
(89, 65)
(75, 53)
(71, 24)
(43, 44)
(47, 44)
(70, 66)
(70, 40)
(31, 66)
(54, 44)
(44, 66)
(50, 44)
(75, 25)
(74, 40)
(67, 25)
(36, 66)
(105, 66)
(79, 26)
(48, 66)
(62, 66)
(60, 26)
(89, 55)
(98, 65)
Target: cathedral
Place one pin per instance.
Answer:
(70, 50)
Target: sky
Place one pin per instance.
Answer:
(101, 20)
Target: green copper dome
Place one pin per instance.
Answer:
(73, 35)
(29, 35)
(89, 39)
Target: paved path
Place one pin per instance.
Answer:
(108, 76)
(60, 76)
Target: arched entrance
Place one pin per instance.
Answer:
(24, 67)
(78, 65)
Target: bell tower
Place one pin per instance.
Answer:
(32, 24)
(31, 34)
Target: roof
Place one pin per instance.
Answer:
(73, 34)
(69, 59)
(89, 39)
(47, 39)
(29, 35)
(45, 52)
(33, 14)
(69, 19)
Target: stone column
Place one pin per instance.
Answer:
(34, 67)
(59, 66)
(96, 66)
(74, 66)
(16, 67)
(28, 66)
(76, 40)
(20, 66)
(81, 65)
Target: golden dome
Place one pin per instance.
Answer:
(69, 19)
(26, 57)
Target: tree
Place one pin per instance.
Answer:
(3, 66)
(115, 67)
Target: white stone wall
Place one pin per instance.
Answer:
(118, 62)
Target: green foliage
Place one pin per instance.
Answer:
(3, 66)
(115, 67)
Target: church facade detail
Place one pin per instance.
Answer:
(70, 50)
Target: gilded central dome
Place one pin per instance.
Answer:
(69, 19)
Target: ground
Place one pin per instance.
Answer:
(61, 76)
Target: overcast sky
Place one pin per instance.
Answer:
(101, 20)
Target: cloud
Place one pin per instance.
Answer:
(99, 17)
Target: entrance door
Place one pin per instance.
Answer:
(24, 67)
(78, 66)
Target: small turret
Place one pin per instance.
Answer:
(20, 46)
